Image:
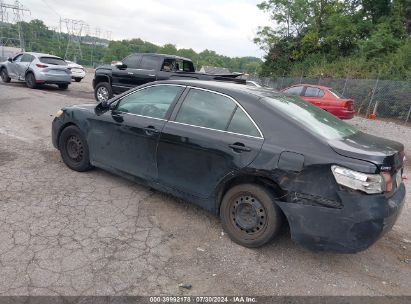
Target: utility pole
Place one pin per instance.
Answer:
(10, 26)
(74, 31)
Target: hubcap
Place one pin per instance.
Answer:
(75, 148)
(248, 214)
(102, 94)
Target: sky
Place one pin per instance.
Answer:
(225, 26)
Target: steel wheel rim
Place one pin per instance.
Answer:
(248, 215)
(74, 148)
(102, 94)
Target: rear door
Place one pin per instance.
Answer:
(210, 137)
(314, 96)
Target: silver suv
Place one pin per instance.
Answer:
(35, 69)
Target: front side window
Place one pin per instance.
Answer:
(18, 58)
(27, 58)
(132, 61)
(149, 62)
(206, 109)
(294, 91)
(152, 101)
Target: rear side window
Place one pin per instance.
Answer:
(206, 109)
(242, 124)
(313, 92)
(149, 62)
(52, 61)
(132, 61)
(27, 58)
(294, 91)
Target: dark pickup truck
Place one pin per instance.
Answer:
(138, 69)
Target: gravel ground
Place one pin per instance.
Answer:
(67, 233)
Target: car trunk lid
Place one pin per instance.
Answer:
(386, 154)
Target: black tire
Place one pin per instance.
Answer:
(74, 150)
(103, 91)
(31, 81)
(250, 216)
(77, 79)
(5, 75)
(63, 86)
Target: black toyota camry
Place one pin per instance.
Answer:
(255, 157)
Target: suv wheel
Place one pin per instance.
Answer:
(103, 92)
(250, 216)
(63, 86)
(77, 79)
(31, 81)
(5, 76)
(74, 150)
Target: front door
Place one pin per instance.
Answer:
(133, 128)
(123, 78)
(12, 67)
(210, 137)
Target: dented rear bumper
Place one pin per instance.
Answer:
(358, 224)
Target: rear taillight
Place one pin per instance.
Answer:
(41, 66)
(349, 105)
(387, 187)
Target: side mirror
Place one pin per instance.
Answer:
(10, 59)
(121, 66)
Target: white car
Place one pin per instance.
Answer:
(77, 71)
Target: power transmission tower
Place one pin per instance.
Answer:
(10, 26)
(74, 31)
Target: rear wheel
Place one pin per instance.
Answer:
(74, 150)
(103, 92)
(31, 81)
(4, 75)
(63, 86)
(249, 215)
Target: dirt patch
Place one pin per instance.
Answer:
(6, 156)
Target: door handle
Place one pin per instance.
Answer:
(130, 73)
(151, 75)
(239, 147)
(150, 130)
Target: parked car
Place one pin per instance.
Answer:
(325, 98)
(35, 69)
(138, 69)
(251, 155)
(77, 71)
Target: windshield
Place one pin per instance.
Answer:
(312, 118)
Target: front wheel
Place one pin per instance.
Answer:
(249, 215)
(5, 76)
(31, 81)
(77, 79)
(103, 92)
(74, 150)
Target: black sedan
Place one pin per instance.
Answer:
(255, 157)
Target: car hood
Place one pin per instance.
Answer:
(388, 155)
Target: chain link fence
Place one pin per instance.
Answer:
(385, 99)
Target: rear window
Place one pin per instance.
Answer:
(311, 117)
(52, 61)
(174, 65)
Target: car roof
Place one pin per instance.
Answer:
(309, 85)
(162, 55)
(41, 55)
(226, 87)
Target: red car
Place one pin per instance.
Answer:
(324, 98)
